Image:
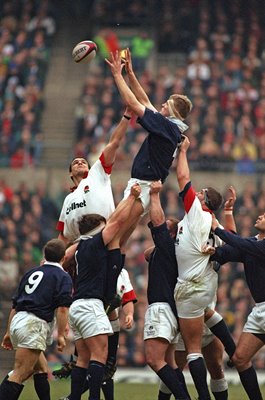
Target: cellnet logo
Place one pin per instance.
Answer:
(73, 206)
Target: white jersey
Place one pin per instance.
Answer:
(124, 287)
(92, 196)
(193, 233)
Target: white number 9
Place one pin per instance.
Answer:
(33, 281)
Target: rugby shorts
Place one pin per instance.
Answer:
(160, 322)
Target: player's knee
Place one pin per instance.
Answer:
(152, 360)
(240, 360)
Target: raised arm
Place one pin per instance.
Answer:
(117, 136)
(135, 85)
(127, 95)
(182, 168)
(157, 215)
(229, 221)
(119, 216)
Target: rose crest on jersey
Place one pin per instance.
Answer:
(86, 189)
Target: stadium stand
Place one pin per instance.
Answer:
(215, 54)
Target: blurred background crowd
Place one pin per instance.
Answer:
(212, 51)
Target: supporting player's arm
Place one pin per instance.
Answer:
(157, 215)
(110, 150)
(229, 221)
(182, 168)
(120, 215)
(135, 85)
(127, 95)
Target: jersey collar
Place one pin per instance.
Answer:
(53, 263)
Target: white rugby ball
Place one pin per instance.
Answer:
(84, 51)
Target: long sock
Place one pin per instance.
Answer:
(42, 386)
(78, 376)
(113, 342)
(219, 388)
(250, 382)
(95, 373)
(164, 392)
(182, 380)
(199, 376)
(10, 390)
(170, 378)
(221, 331)
(108, 389)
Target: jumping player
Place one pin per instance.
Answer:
(164, 128)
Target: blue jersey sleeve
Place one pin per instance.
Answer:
(247, 245)
(162, 239)
(226, 254)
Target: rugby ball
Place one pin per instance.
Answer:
(84, 51)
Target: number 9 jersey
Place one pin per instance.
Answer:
(42, 290)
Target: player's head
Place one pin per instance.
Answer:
(211, 198)
(90, 224)
(260, 223)
(179, 106)
(54, 250)
(78, 166)
(172, 226)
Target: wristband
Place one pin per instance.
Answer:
(228, 212)
(127, 117)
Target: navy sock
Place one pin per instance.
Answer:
(221, 395)
(221, 331)
(78, 376)
(42, 386)
(108, 389)
(163, 396)
(10, 390)
(170, 379)
(250, 383)
(113, 342)
(95, 373)
(199, 376)
(181, 378)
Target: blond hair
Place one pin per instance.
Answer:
(179, 106)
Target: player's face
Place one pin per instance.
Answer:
(164, 110)
(201, 195)
(260, 223)
(79, 165)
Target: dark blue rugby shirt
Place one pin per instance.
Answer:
(249, 251)
(156, 154)
(42, 290)
(91, 268)
(162, 268)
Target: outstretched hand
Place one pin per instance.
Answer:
(231, 198)
(115, 63)
(128, 62)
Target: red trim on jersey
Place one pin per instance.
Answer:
(60, 226)
(129, 296)
(107, 168)
(189, 198)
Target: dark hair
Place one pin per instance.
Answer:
(88, 222)
(70, 166)
(54, 250)
(213, 199)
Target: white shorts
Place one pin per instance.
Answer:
(207, 338)
(192, 298)
(29, 331)
(160, 322)
(87, 318)
(145, 192)
(256, 320)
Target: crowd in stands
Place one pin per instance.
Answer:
(28, 219)
(223, 72)
(26, 32)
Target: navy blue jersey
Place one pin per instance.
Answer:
(162, 268)
(115, 264)
(156, 154)
(42, 290)
(91, 268)
(249, 251)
